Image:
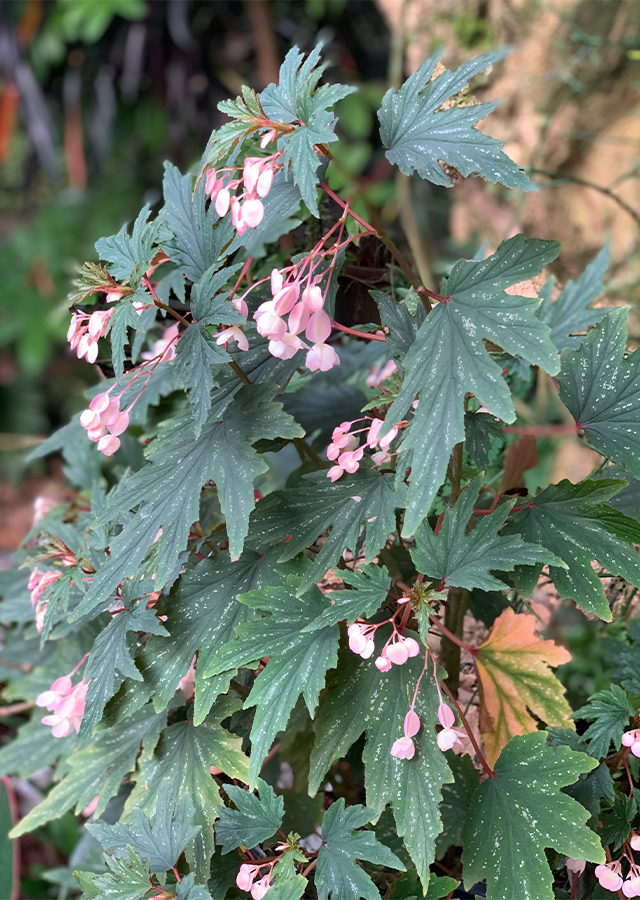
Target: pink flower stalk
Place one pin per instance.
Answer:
(403, 748)
(246, 876)
(260, 888)
(379, 373)
(233, 333)
(609, 876)
(165, 347)
(576, 865)
(67, 704)
(447, 737)
(632, 739)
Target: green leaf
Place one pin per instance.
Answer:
(97, 769)
(129, 881)
(403, 327)
(298, 100)
(624, 658)
(371, 584)
(245, 113)
(366, 500)
(569, 316)
(129, 257)
(298, 661)
(197, 236)
(448, 359)
(7, 858)
(31, 749)
(521, 811)
(609, 712)
(456, 801)
(573, 522)
(360, 698)
(159, 841)
(182, 762)
(617, 822)
(167, 490)
(111, 654)
(338, 874)
(417, 136)
(124, 318)
(187, 889)
(601, 390)
(479, 428)
(196, 352)
(464, 560)
(207, 304)
(254, 821)
(287, 889)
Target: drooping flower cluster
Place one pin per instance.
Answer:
(37, 584)
(104, 421)
(86, 330)
(246, 880)
(246, 206)
(66, 703)
(631, 739)
(346, 449)
(304, 307)
(397, 649)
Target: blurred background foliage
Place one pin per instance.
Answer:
(95, 94)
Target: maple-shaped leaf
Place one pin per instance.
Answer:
(298, 100)
(209, 305)
(568, 316)
(159, 841)
(403, 327)
(124, 319)
(623, 656)
(609, 713)
(298, 661)
(521, 811)
(575, 522)
(465, 560)
(196, 352)
(110, 660)
(167, 490)
(128, 879)
(338, 875)
(193, 237)
(182, 761)
(418, 133)
(479, 428)
(516, 683)
(202, 612)
(97, 769)
(366, 501)
(456, 801)
(601, 390)
(287, 888)
(371, 585)
(255, 820)
(246, 114)
(616, 822)
(448, 359)
(129, 256)
(187, 889)
(361, 699)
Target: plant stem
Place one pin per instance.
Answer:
(362, 334)
(310, 867)
(485, 765)
(158, 302)
(455, 474)
(454, 612)
(305, 450)
(241, 375)
(21, 667)
(452, 637)
(16, 708)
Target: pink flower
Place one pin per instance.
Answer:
(187, 683)
(286, 298)
(403, 748)
(411, 724)
(68, 710)
(109, 444)
(447, 737)
(246, 876)
(267, 137)
(241, 305)
(576, 865)
(412, 646)
(233, 333)
(276, 281)
(322, 357)
(265, 181)
(397, 653)
(360, 641)
(286, 347)
(251, 172)
(165, 347)
(222, 202)
(608, 878)
(39, 582)
(335, 472)
(631, 887)
(59, 689)
(269, 323)
(98, 322)
(252, 213)
(383, 664)
(634, 842)
(312, 297)
(350, 459)
(319, 327)
(298, 318)
(260, 888)
(340, 434)
(380, 373)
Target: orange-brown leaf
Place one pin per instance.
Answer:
(515, 681)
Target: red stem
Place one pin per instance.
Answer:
(485, 765)
(362, 334)
(452, 637)
(243, 272)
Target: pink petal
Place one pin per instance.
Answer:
(319, 327)
(252, 213)
(411, 724)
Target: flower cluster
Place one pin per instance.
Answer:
(397, 649)
(104, 421)
(67, 704)
(631, 739)
(86, 330)
(304, 307)
(246, 880)
(37, 584)
(246, 207)
(346, 450)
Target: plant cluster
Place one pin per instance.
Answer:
(241, 634)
